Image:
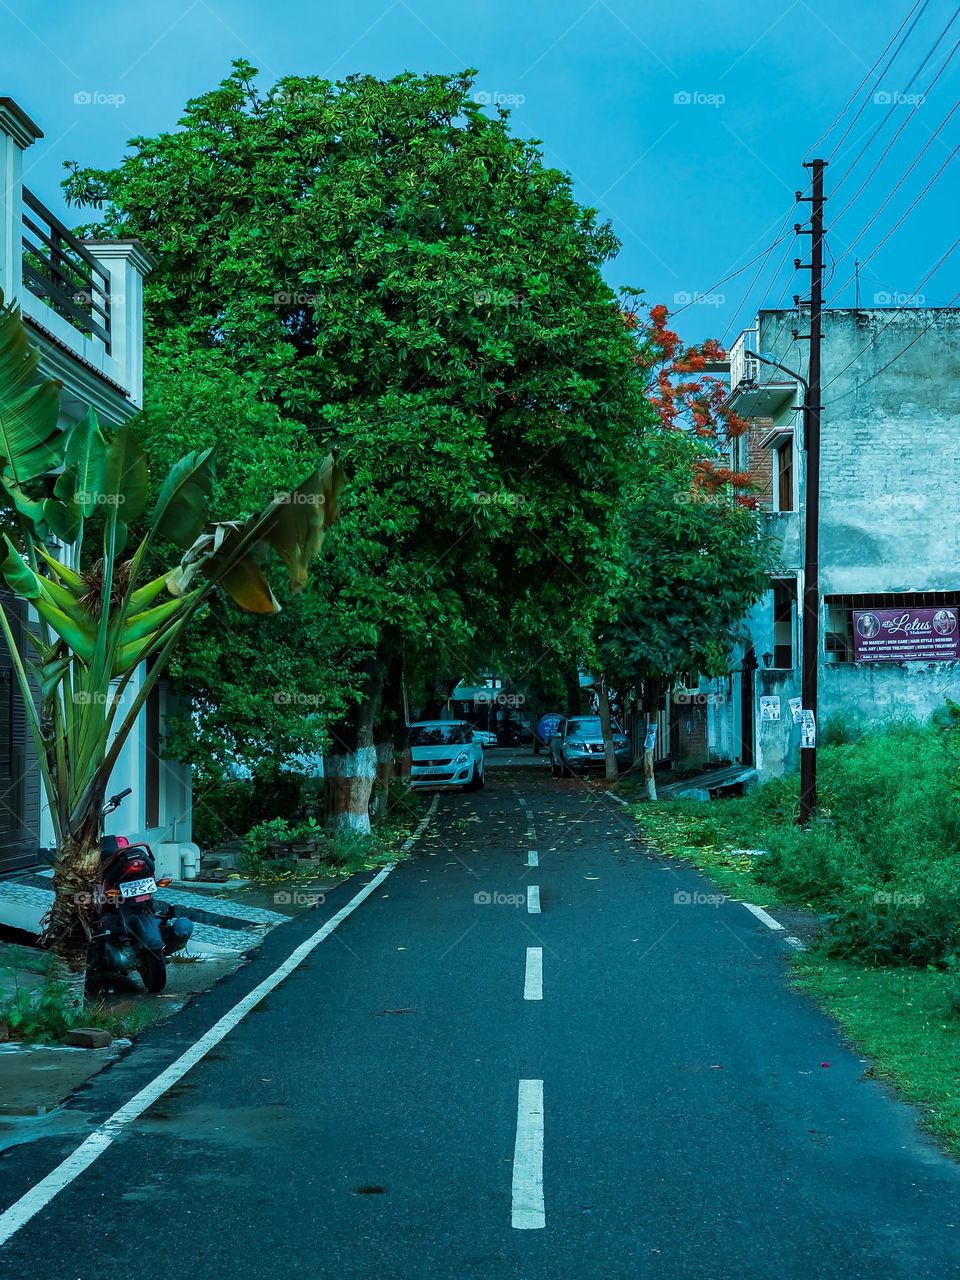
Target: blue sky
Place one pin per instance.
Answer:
(685, 125)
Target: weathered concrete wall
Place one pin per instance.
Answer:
(890, 494)
(874, 692)
(890, 447)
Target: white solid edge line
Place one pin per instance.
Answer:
(527, 1212)
(533, 975)
(533, 899)
(40, 1195)
(762, 915)
(533, 859)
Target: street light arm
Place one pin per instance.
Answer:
(755, 355)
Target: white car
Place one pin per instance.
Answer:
(486, 737)
(444, 753)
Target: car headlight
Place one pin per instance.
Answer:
(462, 758)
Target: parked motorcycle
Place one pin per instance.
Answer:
(130, 933)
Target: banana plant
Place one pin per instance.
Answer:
(71, 501)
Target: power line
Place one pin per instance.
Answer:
(733, 274)
(894, 104)
(899, 311)
(740, 305)
(846, 106)
(900, 221)
(933, 137)
(890, 62)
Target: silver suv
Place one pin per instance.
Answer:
(577, 746)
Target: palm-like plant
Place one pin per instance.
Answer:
(98, 618)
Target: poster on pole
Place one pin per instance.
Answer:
(769, 707)
(650, 740)
(808, 728)
(795, 705)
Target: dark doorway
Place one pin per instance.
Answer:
(748, 667)
(19, 781)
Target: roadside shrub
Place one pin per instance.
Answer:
(225, 808)
(47, 1013)
(882, 860)
(917, 926)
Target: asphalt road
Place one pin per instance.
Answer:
(368, 1118)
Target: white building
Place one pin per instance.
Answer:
(82, 302)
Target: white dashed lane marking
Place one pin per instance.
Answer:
(533, 978)
(527, 1211)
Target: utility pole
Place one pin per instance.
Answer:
(811, 570)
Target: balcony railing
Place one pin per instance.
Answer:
(744, 368)
(58, 269)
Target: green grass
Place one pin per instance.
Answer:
(14, 958)
(904, 1021)
(45, 1014)
(705, 835)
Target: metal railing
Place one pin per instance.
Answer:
(742, 367)
(61, 271)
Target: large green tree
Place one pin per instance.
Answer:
(403, 278)
(695, 560)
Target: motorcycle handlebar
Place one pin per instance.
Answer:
(114, 801)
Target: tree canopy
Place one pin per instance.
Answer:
(397, 276)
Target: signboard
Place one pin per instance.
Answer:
(808, 729)
(769, 707)
(547, 726)
(795, 704)
(906, 635)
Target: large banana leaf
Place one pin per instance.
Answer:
(123, 483)
(293, 524)
(181, 510)
(31, 443)
(84, 461)
(301, 519)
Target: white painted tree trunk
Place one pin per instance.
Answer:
(648, 773)
(348, 779)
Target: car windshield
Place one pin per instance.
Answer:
(439, 735)
(589, 727)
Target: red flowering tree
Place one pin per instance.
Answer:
(694, 555)
(688, 396)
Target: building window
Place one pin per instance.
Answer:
(784, 621)
(785, 475)
(838, 636)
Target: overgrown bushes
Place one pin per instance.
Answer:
(225, 808)
(882, 861)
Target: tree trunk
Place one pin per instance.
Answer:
(380, 799)
(72, 917)
(350, 765)
(571, 680)
(393, 755)
(651, 704)
(609, 755)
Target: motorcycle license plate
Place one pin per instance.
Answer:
(137, 888)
